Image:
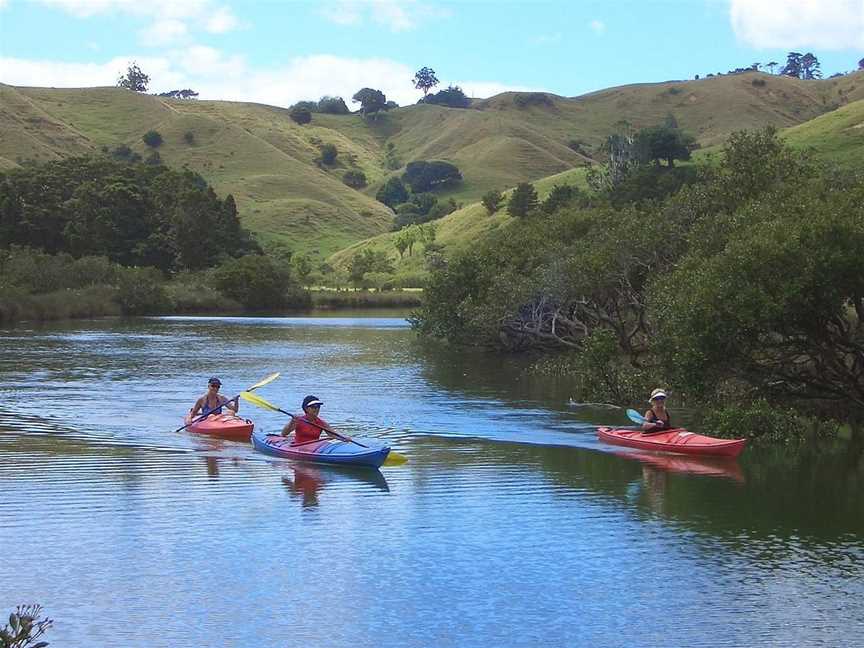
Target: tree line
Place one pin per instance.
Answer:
(743, 285)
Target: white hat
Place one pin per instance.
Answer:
(657, 393)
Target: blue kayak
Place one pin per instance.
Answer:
(327, 451)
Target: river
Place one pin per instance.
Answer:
(510, 525)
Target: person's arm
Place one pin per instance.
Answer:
(289, 427)
(651, 424)
(197, 407)
(233, 404)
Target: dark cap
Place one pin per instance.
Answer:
(311, 400)
(214, 381)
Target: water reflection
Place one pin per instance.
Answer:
(307, 480)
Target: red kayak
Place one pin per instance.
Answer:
(677, 440)
(223, 426)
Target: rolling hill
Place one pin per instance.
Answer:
(268, 162)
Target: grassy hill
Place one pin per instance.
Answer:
(268, 162)
(836, 136)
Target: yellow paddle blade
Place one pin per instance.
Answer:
(257, 400)
(395, 459)
(268, 379)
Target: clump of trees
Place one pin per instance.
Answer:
(527, 99)
(410, 194)
(354, 179)
(747, 283)
(451, 97)
(326, 104)
(300, 114)
(136, 215)
(492, 200)
(802, 66)
(371, 101)
(152, 138)
(187, 93)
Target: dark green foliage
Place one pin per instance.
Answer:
(300, 115)
(424, 176)
(523, 200)
(492, 200)
(133, 214)
(152, 138)
(257, 282)
(526, 99)
(664, 143)
(187, 93)
(328, 154)
(134, 79)
(560, 196)
(425, 80)
(371, 101)
(391, 159)
(802, 66)
(311, 106)
(189, 137)
(354, 179)
(368, 261)
(392, 193)
(124, 153)
(153, 158)
(759, 420)
(452, 97)
(141, 291)
(759, 83)
(333, 106)
(649, 182)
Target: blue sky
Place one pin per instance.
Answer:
(281, 51)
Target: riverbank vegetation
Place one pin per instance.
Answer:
(743, 285)
(93, 236)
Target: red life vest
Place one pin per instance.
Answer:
(306, 431)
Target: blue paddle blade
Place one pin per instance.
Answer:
(635, 416)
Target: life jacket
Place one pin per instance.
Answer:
(306, 431)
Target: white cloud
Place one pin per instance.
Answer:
(3, 4)
(221, 21)
(163, 32)
(171, 18)
(790, 24)
(218, 76)
(598, 27)
(396, 15)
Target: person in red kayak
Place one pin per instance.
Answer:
(308, 427)
(212, 402)
(657, 418)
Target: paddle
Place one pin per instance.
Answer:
(397, 457)
(260, 383)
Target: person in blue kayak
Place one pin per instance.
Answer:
(308, 427)
(657, 418)
(212, 402)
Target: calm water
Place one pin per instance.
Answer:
(511, 525)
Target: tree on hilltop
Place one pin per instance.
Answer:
(810, 67)
(332, 105)
(771, 66)
(452, 97)
(523, 200)
(134, 79)
(300, 115)
(371, 101)
(425, 80)
(793, 65)
(861, 64)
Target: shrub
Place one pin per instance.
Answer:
(492, 201)
(354, 179)
(141, 292)
(523, 200)
(759, 420)
(189, 137)
(392, 193)
(526, 99)
(153, 158)
(328, 154)
(256, 282)
(300, 115)
(333, 106)
(759, 83)
(152, 138)
(452, 97)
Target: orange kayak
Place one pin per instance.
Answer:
(677, 440)
(223, 426)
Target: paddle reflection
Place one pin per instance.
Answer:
(308, 481)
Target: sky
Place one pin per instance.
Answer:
(281, 51)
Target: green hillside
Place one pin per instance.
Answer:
(837, 136)
(268, 162)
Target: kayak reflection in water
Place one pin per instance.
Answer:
(657, 418)
(212, 402)
(307, 428)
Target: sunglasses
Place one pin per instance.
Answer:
(659, 398)
(214, 384)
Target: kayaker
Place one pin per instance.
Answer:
(308, 427)
(657, 418)
(212, 402)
